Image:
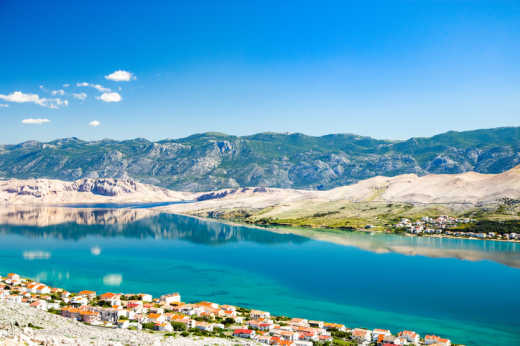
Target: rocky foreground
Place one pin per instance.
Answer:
(20, 325)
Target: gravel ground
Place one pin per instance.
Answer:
(57, 330)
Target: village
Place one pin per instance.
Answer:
(168, 314)
(445, 226)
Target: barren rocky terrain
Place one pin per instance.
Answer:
(50, 329)
(99, 190)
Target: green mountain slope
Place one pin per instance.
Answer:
(209, 161)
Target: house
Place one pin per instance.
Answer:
(264, 339)
(78, 301)
(109, 314)
(164, 327)
(31, 287)
(228, 308)
(14, 298)
(410, 336)
(433, 339)
(189, 323)
(87, 294)
(156, 318)
(299, 322)
(316, 324)
(146, 297)
(13, 277)
(244, 333)
(111, 298)
(228, 314)
(134, 305)
(361, 335)
(171, 298)
(89, 316)
(308, 336)
(257, 314)
(390, 339)
(123, 324)
(207, 305)
(286, 335)
(325, 338)
(334, 326)
(303, 343)
(40, 305)
(377, 332)
(71, 312)
(208, 327)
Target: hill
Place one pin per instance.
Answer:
(210, 161)
(376, 201)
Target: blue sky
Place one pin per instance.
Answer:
(388, 69)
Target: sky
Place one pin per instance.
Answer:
(386, 69)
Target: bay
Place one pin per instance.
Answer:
(466, 290)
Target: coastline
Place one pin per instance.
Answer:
(32, 304)
(277, 226)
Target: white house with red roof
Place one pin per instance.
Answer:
(111, 298)
(361, 335)
(410, 336)
(437, 340)
(244, 333)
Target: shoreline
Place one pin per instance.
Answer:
(272, 226)
(172, 318)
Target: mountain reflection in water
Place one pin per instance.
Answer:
(77, 223)
(74, 224)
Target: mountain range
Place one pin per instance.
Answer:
(209, 161)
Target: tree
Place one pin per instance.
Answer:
(178, 326)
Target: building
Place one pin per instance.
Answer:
(244, 333)
(171, 298)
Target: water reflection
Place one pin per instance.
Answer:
(36, 255)
(507, 253)
(77, 223)
(48, 216)
(113, 279)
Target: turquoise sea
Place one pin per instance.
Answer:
(467, 290)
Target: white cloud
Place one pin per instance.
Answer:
(56, 103)
(60, 92)
(110, 97)
(80, 96)
(3, 105)
(94, 123)
(20, 97)
(98, 87)
(120, 76)
(35, 121)
(66, 85)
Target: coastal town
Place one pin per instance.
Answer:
(448, 226)
(173, 318)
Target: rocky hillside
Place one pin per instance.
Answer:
(209, 161)
(99, 190)
(22, 325)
